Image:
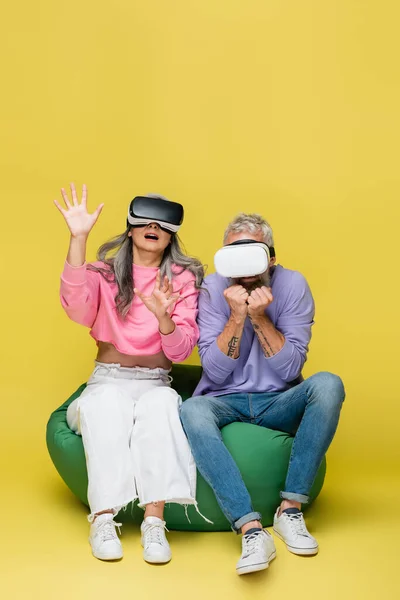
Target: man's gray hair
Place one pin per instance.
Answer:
(252, 223)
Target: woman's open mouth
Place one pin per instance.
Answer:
(153, 237)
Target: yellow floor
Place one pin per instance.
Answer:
(46, 555)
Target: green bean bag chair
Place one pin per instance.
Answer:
(261, 454)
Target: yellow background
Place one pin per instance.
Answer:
(283, 107)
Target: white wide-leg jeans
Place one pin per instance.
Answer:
(134, 443)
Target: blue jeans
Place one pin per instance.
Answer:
(309, 412)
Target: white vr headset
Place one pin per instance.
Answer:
(244, 258)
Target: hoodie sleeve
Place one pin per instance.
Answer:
(79, 294)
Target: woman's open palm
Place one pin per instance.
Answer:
(78, 219)
(162, 300)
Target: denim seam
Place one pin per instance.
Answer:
(251, 409)
(292, 452)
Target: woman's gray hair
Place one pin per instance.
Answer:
(253, 223)
(117, 255)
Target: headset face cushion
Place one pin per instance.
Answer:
(242, 260)
(143, 210)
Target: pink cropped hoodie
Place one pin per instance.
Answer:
(88, 298)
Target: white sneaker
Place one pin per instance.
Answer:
(154, 542)
(104, 539)
(258, 549)
(291, 528)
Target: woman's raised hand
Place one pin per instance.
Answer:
(162, 300)
(76, 215)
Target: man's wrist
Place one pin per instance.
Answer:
(258, 318)
(237, 319)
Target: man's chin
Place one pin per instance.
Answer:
(252, 283)
(249, 282)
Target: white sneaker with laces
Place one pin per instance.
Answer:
(291, 528)
(104, 539)
(155, 544)
(258, 549)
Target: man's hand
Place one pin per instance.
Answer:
(271, 340)
(229, 339)
(237, 296)
(258, 301)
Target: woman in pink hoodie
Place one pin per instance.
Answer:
(140, 302)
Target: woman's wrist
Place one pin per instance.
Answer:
(77, 251)
(166, 325)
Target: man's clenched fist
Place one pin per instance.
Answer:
(237, 296)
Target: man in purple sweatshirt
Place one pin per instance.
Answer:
(254, 336)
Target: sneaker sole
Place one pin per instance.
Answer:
(157, 561)
(255, 567)
(295, 549)
(107, 556)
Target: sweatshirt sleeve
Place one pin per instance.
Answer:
(79, 294)
(212, 320)
(178, 345)
(295, 322)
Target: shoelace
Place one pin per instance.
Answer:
(251, 541)
(154, 534)
(297, 523)
(107, 531)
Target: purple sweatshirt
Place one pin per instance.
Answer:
(291, 312)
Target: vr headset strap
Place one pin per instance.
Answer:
(240, 242)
